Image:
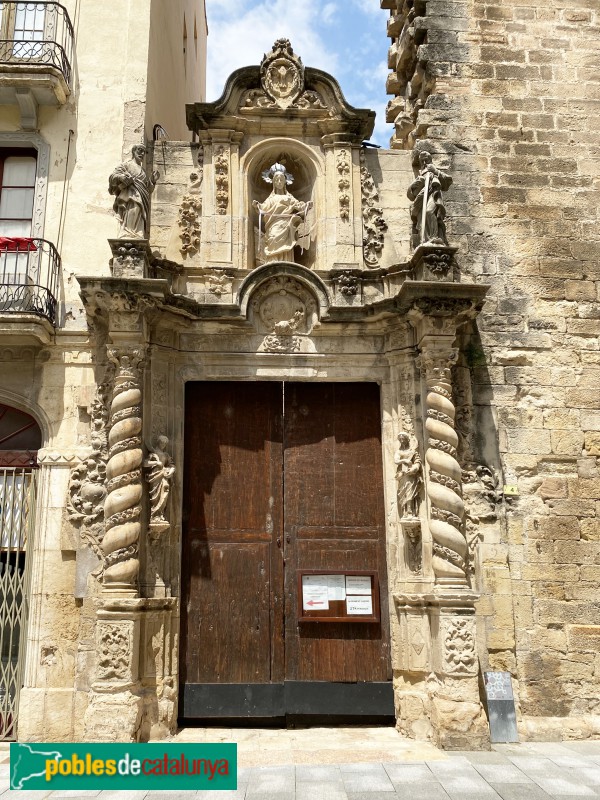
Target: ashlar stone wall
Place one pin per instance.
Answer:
(507, 96)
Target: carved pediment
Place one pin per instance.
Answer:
(283, 90)
(282, 84)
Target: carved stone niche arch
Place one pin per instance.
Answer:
(284, 302)
(306, 167)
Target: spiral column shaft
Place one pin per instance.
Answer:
(122, 507)
(444, 488)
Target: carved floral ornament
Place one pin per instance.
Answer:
(459, 654)
(374, 225)
(282, 83)
(343, 168)
(221, 167)
(189, 219)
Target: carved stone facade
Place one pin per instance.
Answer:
(490, 480)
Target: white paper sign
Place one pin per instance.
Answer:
(358, 584)
(362, 606)
(315, 593)
(337, 587)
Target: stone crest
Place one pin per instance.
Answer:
(285, 310)
(282, 83)
(282, 74)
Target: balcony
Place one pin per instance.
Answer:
(29, 283)
(36, 54)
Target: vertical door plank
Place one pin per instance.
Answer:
(334, 519)
(232, 568)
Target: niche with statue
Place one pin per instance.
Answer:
(283, 209)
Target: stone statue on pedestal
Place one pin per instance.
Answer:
(159, 474)
(427, 210)
(408, 476)
(282, 219)
(132, 188)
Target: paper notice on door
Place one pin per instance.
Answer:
(336, 586)
(315, 593)
(358, 584)
(360, 606)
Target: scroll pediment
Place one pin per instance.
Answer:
(281, 91)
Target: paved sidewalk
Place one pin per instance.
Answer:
(562, 771)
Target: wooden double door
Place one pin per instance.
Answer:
(280, 478)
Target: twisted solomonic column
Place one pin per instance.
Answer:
(444, 488)
(122, 507)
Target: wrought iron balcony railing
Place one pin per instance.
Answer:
(36, 34)
(29, 277)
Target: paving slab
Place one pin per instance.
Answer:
(311, 790)
(502, 773)
(318, 772)
(403, 774)
(520, 791)
(365, 778)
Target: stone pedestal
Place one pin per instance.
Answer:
(433, 262)
(115, 709)
(439, 696)
(131, 258)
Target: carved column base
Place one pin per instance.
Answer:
(131, 258)
(433, 262)
(436, 686)
(115, 709)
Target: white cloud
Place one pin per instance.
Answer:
(328, 13)
(372, 8)
(240, 39)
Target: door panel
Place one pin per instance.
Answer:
(334, 519)
(280, 477)
(232, 622)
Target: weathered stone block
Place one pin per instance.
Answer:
(580, 508)
(585, 638)
(567, 442)
(553, 487)
(552, 527)
(529, 440)
(590, 529)
(592, 443)
(549, 572)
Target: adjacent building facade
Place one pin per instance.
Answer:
(78, 88)
(320, 439)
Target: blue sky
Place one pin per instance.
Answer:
(344, 37)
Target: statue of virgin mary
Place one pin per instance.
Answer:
(281, 218)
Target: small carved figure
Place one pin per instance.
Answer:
(427, 210)
(132, 188)
(408, 475)
(159, 474)
(283, 217)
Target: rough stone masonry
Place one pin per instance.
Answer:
(507, 96)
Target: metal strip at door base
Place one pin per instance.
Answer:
(290, 698)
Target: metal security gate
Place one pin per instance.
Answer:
(17, 519)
